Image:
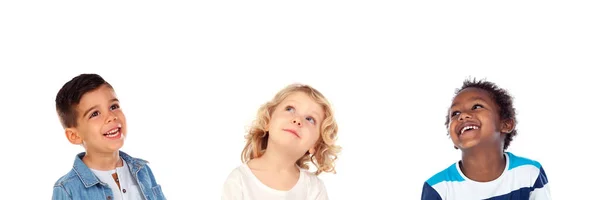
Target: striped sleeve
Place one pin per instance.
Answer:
(541, 190)
(428, 193)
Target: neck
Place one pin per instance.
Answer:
(276, 159)
(102, 161)
(483, 165)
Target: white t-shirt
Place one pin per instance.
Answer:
(129, 186)
(241, 184)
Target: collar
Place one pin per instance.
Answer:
(89, 179)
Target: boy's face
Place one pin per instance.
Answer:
(474, 120)
(101, 123)
(295, 123)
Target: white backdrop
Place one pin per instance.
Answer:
(203, 69)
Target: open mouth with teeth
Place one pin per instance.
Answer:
(468, 128)
(114, 133)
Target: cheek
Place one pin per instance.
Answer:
(491, 119)
(273, 123)
(451, 128)
(87, 132)
(279, 118)
(314, 134)
(121, 115)
(94, 124)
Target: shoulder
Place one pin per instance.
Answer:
(141, 169)
(67, 179)
(136, 164)
(519, 161)
(233, 185)
(450, 174)
(236, 175)
(65, 185)
(436, 186)
(237, 172)
(133, 160)
(522, 166)
(317, 189)
(527, 169)
(312, 179)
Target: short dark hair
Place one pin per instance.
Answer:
(70, 94)
(501, 97)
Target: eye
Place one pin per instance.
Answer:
(454, 113)
(311, 120)
(115, 106)
(290, 109)
(94, 114)
(477, 106)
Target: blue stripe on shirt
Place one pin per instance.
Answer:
(449, 174)
(429, 193)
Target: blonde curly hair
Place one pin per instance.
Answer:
(325, 149)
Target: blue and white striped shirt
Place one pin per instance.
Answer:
(522, 179)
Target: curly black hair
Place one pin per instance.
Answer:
(501, 97)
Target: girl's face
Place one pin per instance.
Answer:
(295, 123)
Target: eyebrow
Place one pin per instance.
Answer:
(471, 99)
(96, 106)
(89, 110)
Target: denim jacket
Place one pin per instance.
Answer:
(81, 183)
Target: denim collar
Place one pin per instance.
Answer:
(89, 179)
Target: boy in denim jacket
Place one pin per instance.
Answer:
(91, 115)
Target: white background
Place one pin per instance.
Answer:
(203, 69)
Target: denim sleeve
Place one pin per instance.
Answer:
(151, 175)
(60, 193)
(156, 188)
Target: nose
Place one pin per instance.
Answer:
(464, 116)
(296, 121)
(111, 118)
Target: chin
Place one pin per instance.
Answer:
(468, 145)
(285, 141)
(115, 147)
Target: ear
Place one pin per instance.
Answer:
(312, 150)
(267, 125)
(266, 131)
(507, 126)
(73, 136)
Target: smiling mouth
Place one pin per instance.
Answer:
(113, 133)
(468, 128)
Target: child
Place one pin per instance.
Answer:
(481, 123)
(91, 115)
(296, 127)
